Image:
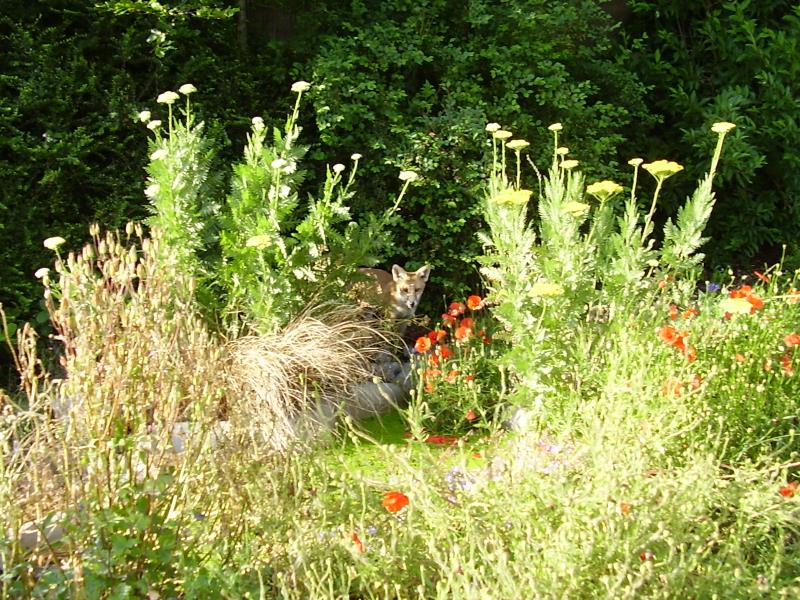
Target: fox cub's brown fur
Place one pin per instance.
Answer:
(399, 291)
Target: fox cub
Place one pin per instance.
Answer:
(399, 291)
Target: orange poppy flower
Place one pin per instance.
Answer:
(423, 344)
(786, 365)
(394, 501)
(463, 333)
(690, 312)
(690, 353)
(792, 339)
(433, 359)
(475, 302)
(466, 322)
(358, 543)
(452, 376)
(673, 337)
(470, 416)
(673, 312)
(448, 320)
(456, 309)
(444, 352)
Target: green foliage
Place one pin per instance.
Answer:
(735, 61)
(260, 257)
(583, 269)
(412, 84)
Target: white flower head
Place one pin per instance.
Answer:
(492, 127)
(408, 176)
(186, 89)
(299, 87)
(338, 168)
(41, 273)
(556, 127)
(278, 163)
(722, 127)
(52, 243)
(154, 124)
(258, 123)
(151, 191)
(290, 167)
(144, 116)
(355, 156)
(167, 97)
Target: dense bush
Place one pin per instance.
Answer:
(734, 61)
(412, 84)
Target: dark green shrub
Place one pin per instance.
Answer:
(738, 62)
(413, 84)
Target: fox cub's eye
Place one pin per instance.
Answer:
(404, 290)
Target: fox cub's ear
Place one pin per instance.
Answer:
(398, 272)
(423, 272)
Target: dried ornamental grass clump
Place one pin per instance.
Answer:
(288, 386)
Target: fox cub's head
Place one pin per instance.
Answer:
(408, 288)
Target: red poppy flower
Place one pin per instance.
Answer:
(433, 359)
(793, 339)
(624, 508)
(448, 320)
(394, 501)
(456, 309)
(466, 322)
(475, 302)
(470, 416)
(647, 555)
(788, 491)
(444, 351)
(469, 378)
(441, 440)
(423, 344)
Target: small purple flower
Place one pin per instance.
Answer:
(712, 287)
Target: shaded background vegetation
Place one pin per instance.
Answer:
(408, 84)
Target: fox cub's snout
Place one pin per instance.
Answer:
(400, 290)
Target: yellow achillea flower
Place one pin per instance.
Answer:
(576, 209)
(544, 288)
(661, 169)
(722, 127)
(517, 144)
(569, 164)
(635, 162)
(736, 306)
(562, 150)
(502, 134)
(603, 190)
(509, 196)
(556, 127)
